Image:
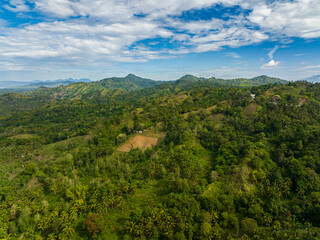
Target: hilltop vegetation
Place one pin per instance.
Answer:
(239, 82)
(117, 89)
(221, 164)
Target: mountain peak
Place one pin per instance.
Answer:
(189, 77)
(130, 75)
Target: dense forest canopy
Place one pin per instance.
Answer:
(137, 159)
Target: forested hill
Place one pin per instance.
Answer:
(132, 82)
(117, 89)
(239, 82)
(169, 161)
(78, 90)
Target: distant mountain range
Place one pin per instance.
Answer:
(238, 82)
(104, 87)
(75, 88)
(117, 89)
(315, 78)
(111, 87)
(14, 86)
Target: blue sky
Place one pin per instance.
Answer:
(158, 39)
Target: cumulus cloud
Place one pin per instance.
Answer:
(270, 64)
(299, 18)
(76, 41)
(119, 30)
(110, 31)
(17, 6)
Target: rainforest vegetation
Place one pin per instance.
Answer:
(135, 159)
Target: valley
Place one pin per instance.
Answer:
(137, 159)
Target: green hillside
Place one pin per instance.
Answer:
(130, 158)
(132, 82)
(116, 89)
(239, 82)
(79, 90)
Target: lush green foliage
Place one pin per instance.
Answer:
(239, 82)
(229, 167)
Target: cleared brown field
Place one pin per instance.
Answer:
(138, 141)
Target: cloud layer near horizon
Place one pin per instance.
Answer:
(93, 32)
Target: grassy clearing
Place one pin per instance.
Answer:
(205, 110)
(216, 118)
(293, 90)
(60, 149)
(154, 132)
(174, 99)
(249, 110)
(24, 136)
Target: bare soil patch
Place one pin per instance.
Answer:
(139, 141)
(302, 101)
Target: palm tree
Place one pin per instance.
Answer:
(67, 232)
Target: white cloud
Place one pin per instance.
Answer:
(78, 31)
(121, 9)
(299, 18)
(17, 6)
(301, 54)
(312, 67)
(71, 40)
(220, 34)
(270, 54)
(112, 28)
(270, 64)
(233, 55)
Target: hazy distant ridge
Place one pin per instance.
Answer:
(38, 83)
(14, 86)
(78, 87)
(315, 78)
